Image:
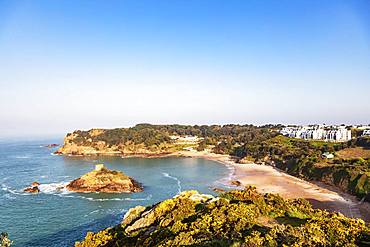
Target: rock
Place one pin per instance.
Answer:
(219, 190)
(104, 180)
(35, 184)
(236, 183)
(246, 160)
(33, 188)
(52, 145)
(133, 214)
(149, 217)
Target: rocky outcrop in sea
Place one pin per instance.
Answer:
(104, 180)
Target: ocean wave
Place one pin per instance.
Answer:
(53, 188)
(60, 189)
(9, 196)
(8, 189)
(174, 178)
(104, 199)
(92, 212)
(21, 157)
(226, 181)
(106, 211)
(116, 199)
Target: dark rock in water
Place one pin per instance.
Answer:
(236, 183)
(34, 188)
(219, 190)
(104, 180)
(35, 184)
(52, 145)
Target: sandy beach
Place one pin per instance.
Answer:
(268, 179)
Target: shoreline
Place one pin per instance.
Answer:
(269, 179)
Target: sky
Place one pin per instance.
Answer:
(67, 65)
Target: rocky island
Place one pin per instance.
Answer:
(104, 180)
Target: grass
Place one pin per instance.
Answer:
(354, 153)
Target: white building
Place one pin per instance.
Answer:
(318, 132)
(366, 132)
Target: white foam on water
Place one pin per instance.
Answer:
(92, 212)
(69, 194)
(9, 196)
(22, 157)
(6, 188)
(53, 188)
(116, 199)
(174, 178)
(225, 181)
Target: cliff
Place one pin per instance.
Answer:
(148, 139)
(122, 141)
(235, 218)
(104, 180)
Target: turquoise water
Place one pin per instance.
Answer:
(59, 218)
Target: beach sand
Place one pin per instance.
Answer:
(268, 179)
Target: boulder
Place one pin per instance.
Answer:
(35, 184)
(219, 190)
(236, 183)
(52, 145)
(34, 188)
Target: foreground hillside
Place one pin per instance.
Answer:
(236, 218)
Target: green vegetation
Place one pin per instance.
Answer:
(304, 159)
(156, 138)
(236, 218)
(298, 157)
(4, 240)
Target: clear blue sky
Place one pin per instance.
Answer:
(71, 64)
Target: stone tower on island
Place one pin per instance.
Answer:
(99, 167)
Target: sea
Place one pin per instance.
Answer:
(57, 217)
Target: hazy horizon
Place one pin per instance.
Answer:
(67, 65)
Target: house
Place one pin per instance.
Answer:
(328, 155)
(366, 132)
